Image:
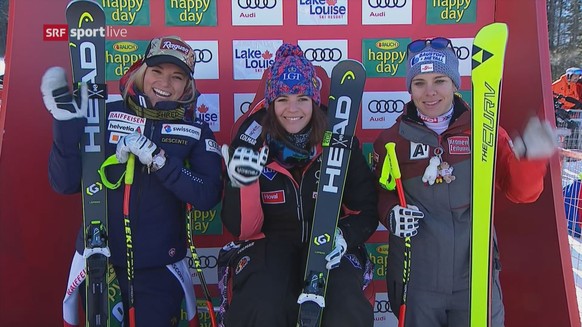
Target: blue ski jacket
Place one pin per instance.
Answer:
(157, 202)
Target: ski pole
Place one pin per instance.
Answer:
(196, 259)
(390, 180)
(128, 240)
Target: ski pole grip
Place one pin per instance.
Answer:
(129, 169)
(395, 171)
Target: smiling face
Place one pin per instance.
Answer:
(164, 82)
(293, 112)
(432, 93)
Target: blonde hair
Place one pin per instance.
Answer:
(136, 79)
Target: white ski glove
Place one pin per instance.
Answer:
(137, 144)
(335, 256)
(404, 221)
(539, 140)
(245, 166)
(57, 96)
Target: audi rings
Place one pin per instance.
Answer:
(386, 106)
(382, 306)
(462, 52)
(323, 54)
(386, 3)
(257, 4)
(205, 262)
(244, 107)
(203, 55)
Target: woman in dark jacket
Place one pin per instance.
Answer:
(156, 122)
(273, 170)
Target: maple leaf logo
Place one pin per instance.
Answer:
(267, 55)
(331, 2)
(202, 109)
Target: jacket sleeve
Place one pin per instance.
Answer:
(201, 184)
(359, 201)
(386, 199)
(64, 165)
(522, 181)
(242, 213)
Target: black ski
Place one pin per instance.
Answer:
(86, 21)
(347, 85)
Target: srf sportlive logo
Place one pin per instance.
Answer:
(61, 32)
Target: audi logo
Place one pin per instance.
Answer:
(244, 107)
(462, 52)
(205, 262)
(257, 4)
(203, 55)
(323, 54)
(387, 3)
(386, 106)
(382, 306)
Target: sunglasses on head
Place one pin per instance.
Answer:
(436, 43)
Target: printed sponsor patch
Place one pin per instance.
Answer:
(123, 117)
(426, 68)
(252, 133)
(123, 127)
(114, 137)
(120, 124)
(418, 151)
(273, 197)
(212, 146)
(182, 130)
(269, 173)
(242, 263)
(459, 145)
(174, 140)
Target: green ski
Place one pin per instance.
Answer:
(487, 71)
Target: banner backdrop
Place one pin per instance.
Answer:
(234, 41)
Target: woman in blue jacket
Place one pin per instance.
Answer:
(177, 162)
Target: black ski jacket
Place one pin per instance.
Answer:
(278, 206)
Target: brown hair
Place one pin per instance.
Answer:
(318, 124)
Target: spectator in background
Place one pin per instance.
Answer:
(567, 90)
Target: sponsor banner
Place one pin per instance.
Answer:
(252, 57)
(378, 253)
(242, 102)
(207, 222)
(208, 262)
(467, 97)
(383, 312)
(190, 13)
(380, 12)
(451, 12)
(120, 55)
(129, 12)
(384, 57)
(257, 12)
(208, 110)
(380, 109)
(273, 197)
(319, 12)
(325, 53)
(206, 59)
(463, 48)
